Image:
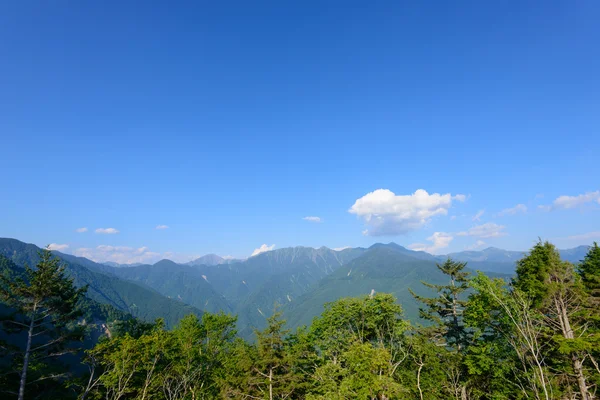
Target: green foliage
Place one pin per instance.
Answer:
(535, 339)
(46, 309)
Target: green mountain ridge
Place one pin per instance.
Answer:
(383, 269)
(140, 301)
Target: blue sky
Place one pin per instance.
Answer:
(229, 123)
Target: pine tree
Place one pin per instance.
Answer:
(589, 270)
(273, 366)
(446, 310)
(46, 302)
(556, 292)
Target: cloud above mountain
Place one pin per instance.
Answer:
(569, 202)
(161, 227)
(487, 230)
(59, 247)
(477, 245)
(262, 249)
(385, 213)
(440, 240)
(118, 254)
(81, 230)
(107, 231)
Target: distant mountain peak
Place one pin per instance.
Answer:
(208, 259)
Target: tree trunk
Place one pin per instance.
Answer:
(419, 380)
(26, 357)
(567, 331)
(271, 384)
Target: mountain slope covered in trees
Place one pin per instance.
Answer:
(138, 300)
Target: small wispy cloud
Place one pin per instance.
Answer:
(519, 208)
(487, 230)
(583, 236)
(160, 227)
(477, 217)
(262, 249)
(568, 202)
(440, 240)
(478, 244)
(81, 230)
(341, 248)
(312, 219)
(107, 231)
(56, 246)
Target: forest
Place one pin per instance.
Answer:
(534, 336)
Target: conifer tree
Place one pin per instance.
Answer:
(46, 305)
(446, 310)
(555, 289)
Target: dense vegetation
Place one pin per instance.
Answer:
(536, 336)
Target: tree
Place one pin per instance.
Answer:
(446, 310)
(589, 270)
(46, 301)
(556, 290)
(273, 366)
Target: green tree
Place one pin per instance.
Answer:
(46, 301)
(556, 290)
(273, 367)
(446, 310)
(589, 269)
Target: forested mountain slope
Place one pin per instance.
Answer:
(138, 300)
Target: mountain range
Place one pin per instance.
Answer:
(300, 279)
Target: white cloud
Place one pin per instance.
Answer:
(119, 254)
(519, 208)
(487, 230)
(440, 240)
(81, 230)
(312, 219)
(567, 202)
(59, 247)
(228, 257)
(262, 249)
(341, 248)
(478, 244)
(386, 213)
(477, 217)
(162, 227)
(453, 217)
(583, 236)
(107, 231)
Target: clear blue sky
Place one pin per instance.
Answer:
(229, 122)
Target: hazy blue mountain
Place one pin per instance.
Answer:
(491, 254)
(117, 265)
(575, 255)
(182, 282)
(420, 255)
(136, 299)
(504, 261)
(209, 259)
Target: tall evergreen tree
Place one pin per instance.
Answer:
(555, 290)
(46, 305)
(273, 368)
(446, 310)
(589, 269)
